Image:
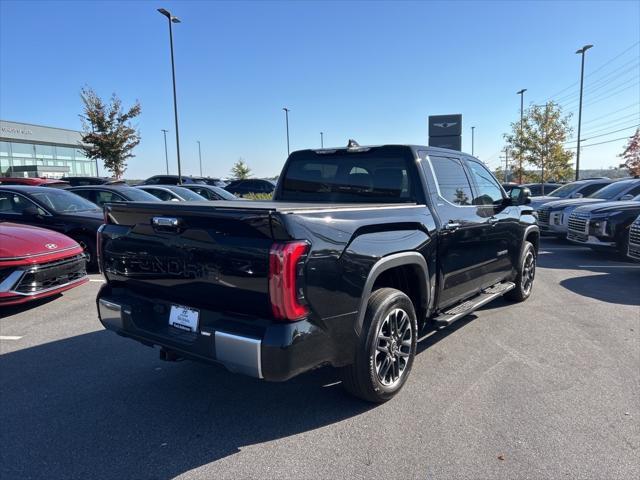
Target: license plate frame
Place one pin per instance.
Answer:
(184, 318)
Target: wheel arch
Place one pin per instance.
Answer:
(398, 263)
(531, 235)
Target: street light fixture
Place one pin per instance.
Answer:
(473, 130)
(166, 155)
(580, 51)
(200, 156)
(521, 93)
(171, 19)
(286, 114)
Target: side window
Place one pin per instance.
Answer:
(591, 188)
(452, 180)
(487, 190)
(161, 194)
(87, 194)
(13, 204)
(634, 191)
(104, 196)
(152, 181)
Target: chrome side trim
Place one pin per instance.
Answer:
(239, 354)
(35, 255)
(355, 209)
(12, 279)
(110, 314)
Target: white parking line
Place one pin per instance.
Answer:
(97, 280)
(608, 266)
(9, 337)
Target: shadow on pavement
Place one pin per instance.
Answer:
(23, 307)
(612, 279)
(98, 406)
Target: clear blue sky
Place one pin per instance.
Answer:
(372, 71)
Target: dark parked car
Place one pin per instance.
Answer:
(539, 189)
(214, 182)
(36, 263)
(171, 180)
(81, 181)
(579, 189)
(210, 192)
(634, 240)
(553, 217)
(250, 185)
(101, 194)
(171, 193)
(55, 209)
(362, 251)
(604, 226)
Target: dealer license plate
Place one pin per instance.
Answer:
(184, 318)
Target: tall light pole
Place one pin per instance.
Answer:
(321, 139)
(286, 115)
(173, 20)
(473, 129)
(581, 52)
(166, 155)
(521, 93)
(200, 156)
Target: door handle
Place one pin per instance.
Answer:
(452, 226)
(493, 221)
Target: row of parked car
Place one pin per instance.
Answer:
(600, 213)
(48, 227)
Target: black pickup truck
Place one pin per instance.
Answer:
(362, 250)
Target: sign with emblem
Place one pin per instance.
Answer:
(445, 131)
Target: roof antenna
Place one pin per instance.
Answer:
(352, 144)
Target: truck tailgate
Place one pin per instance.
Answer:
(194, 254)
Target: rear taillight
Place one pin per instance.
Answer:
(286, 291)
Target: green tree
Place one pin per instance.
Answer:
(631, 155)
(107, 131)
(240, 170)
(540, 142)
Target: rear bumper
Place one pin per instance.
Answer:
(268, 350)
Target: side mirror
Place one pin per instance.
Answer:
(520, 196)
(626, 197)
(31, 211)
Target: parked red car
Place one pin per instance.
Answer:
(37, 263)
(34, 182)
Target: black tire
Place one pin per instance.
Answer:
(88, 244)
(526, 275)
(383, 359)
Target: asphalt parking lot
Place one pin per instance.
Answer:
(549, 388)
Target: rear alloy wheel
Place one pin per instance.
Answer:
(526, 274)
(395, 340)
(386, 348)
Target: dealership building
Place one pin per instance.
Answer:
(36, 151)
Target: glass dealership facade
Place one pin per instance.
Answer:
(34, 150)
